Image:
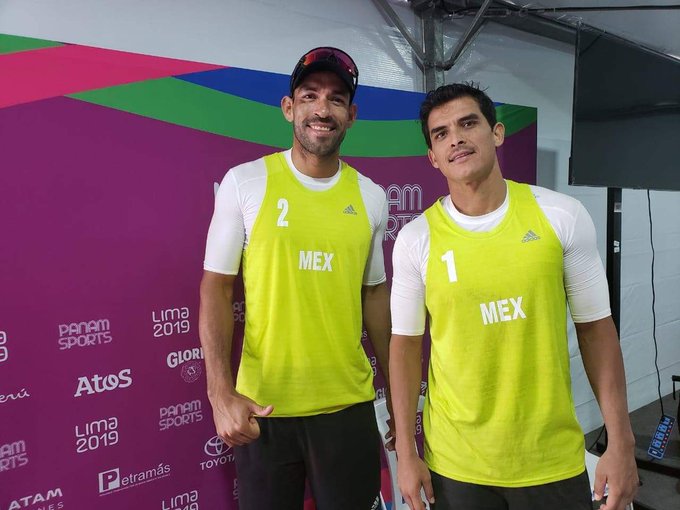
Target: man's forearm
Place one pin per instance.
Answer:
(603, 362)
(376, 314)
(216, 328)
(406, 370)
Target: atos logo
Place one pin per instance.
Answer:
(99, 384)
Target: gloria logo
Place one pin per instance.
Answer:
(176, 358)
(219, 451)
(112, 481)
(190, 362)
(405, 203)
(13, 455)
(34, 499)
(4, 352)
(100, 384)
(84, 334)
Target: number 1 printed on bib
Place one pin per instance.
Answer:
(450, 265)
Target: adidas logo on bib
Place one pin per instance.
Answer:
(530, 236)
(349, 210)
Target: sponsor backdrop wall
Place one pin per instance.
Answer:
(110, 161)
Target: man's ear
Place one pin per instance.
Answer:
(499, 134)
(352, 113)
(430, 156)
(287, 108)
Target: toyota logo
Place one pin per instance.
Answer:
(216, 447)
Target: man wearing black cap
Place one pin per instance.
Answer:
(309, 229)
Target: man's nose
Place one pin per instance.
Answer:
(322, 107)
(457, 138)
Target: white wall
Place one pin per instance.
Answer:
(516, 67)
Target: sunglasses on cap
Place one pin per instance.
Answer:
(326, 58)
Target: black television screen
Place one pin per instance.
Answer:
(626, 119)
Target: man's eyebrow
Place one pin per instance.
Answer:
(466, 118)
(472, 116)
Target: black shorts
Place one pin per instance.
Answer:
(338, 453)
(570, 494)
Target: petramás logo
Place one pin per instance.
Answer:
(100, 384)
(84, 334)
(112, 481)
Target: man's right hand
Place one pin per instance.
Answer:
(412, 475)
(234, 416)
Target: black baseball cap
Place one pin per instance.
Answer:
(326, 58)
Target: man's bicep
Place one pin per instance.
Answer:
(585, 281)
(375, 264)
(407, 299)
(226, 234)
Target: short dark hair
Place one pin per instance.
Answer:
(446, 93)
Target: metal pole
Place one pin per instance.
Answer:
(469, 34)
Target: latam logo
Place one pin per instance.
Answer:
(100, 384)
(35, 499)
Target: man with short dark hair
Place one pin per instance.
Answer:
(309, 229)
(493, 265)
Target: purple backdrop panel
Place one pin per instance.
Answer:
(102, 385)
(103, 380)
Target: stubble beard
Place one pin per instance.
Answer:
(320, 149)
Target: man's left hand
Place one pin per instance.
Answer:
(616, 469)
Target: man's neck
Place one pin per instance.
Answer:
(477, 198)
(312, 165)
